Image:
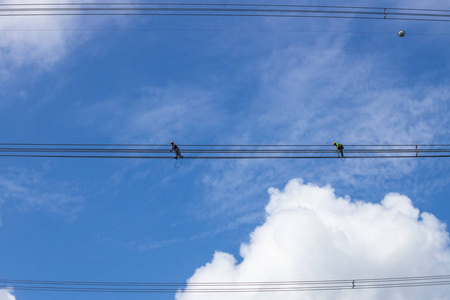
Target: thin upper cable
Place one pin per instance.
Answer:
(221, 9)
(214, 30)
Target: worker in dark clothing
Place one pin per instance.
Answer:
(339, 148)
(176, 149)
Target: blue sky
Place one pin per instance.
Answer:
(246, 81)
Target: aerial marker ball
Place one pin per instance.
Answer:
(401, 33)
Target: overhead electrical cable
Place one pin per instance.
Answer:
(221, 9)
(217, 145)
(215, 4)
(223, 287)
(160, 151)
(213, 30)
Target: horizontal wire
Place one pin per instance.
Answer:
(207, 289)
(114, 9)
(223, 151)
(223, 145)
(231, 290)
(221, 15)
(256, 289)
(213, 30)
(222, 290)
(256, 148)
(402, 285)
(229, 12)
(142, 151)
(193, 14)
(218, 157)
(220, 10)
(219, 4)
(223, 287)
(256, 151)
(230, 283)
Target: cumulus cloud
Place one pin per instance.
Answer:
(5, 294)
(311, 234)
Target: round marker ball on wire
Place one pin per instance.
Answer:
(401, 33)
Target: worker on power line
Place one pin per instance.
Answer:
(339, 148)
(176, 149)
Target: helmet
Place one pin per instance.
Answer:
(334, 144)
(171, 142)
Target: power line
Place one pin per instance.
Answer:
(213, 30)
(160, 151)
(237, 30)
(219, 157)
(216, 4)
(223, 287)
(222, 15)
(218, 9)
(218, 145)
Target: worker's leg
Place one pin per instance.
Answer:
(178, 153)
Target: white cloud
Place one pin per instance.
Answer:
(5, 294)
(40, 48)
(38, 43)
(311, 234)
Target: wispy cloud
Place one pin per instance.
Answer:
(315, 89)
(318, 93)
(27, 190)
(39, 48)
(151, 246)
(156, 114)
(31, 46)
(142, 245)
(322, 91)
(248, 219)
